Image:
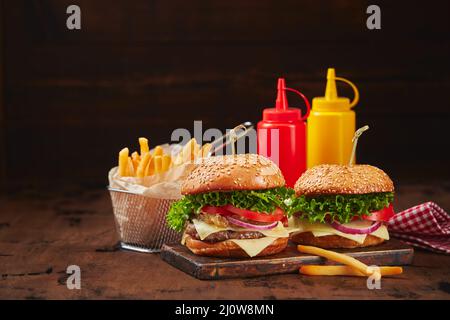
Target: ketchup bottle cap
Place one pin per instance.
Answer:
(282, 112)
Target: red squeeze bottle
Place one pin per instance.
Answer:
(282, 135)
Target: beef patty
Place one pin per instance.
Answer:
(223, 235)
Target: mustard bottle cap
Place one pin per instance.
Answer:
(331, 101)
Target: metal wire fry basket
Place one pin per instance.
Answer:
(141, 221)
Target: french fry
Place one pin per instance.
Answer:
(166, 162)
(205, 150)
(150, 169)
(178, 161)
(195, 150)
(158, 164)
(135, 155)
(130, 168)
(135, 158)
(143, 142)
(315, 270)
(123, 162)
(158, 151)
(189, 151)
(143, 165)
(337, 257)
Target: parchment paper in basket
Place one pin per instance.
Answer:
(166, 185)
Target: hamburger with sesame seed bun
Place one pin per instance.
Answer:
(341, 206)
(233, 206)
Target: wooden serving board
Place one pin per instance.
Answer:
(392, 252)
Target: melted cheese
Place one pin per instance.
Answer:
(251, 246)
(254, 246)
(324, 229)
(204, 230)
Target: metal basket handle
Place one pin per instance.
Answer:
(230, 137)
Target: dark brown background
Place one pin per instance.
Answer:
(71, 99)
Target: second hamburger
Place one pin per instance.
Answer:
(340, 206)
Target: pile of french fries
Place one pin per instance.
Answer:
(350, 267)
(148, 163)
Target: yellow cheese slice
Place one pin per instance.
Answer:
(321, 233)
(254, 246)
(355, 237)
(204, 230)
(382, 233)
(324, 229)
(251, 246)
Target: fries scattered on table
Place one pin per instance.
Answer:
(319, 270)
(351, 266)
(145, 163)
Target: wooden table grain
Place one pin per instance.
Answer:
(41, 234)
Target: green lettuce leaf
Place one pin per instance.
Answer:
(264, 201)
(341, 208)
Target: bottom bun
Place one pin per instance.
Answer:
(229, 249)
(329, 242)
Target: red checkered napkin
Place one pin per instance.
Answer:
(426, 226)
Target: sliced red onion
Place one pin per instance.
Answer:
(252, 226)
(349, 230)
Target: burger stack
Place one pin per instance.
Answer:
(238, 206)
(233, 206)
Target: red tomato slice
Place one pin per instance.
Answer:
(216, 210)
(284, 221)
(381, 215)
(277, 215)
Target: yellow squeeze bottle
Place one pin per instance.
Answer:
(331, 125)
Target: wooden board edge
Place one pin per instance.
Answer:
(176, 260)
(213, 271)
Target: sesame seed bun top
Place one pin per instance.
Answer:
(343, 179)
(233, 172)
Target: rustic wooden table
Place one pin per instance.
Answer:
(42, 234)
